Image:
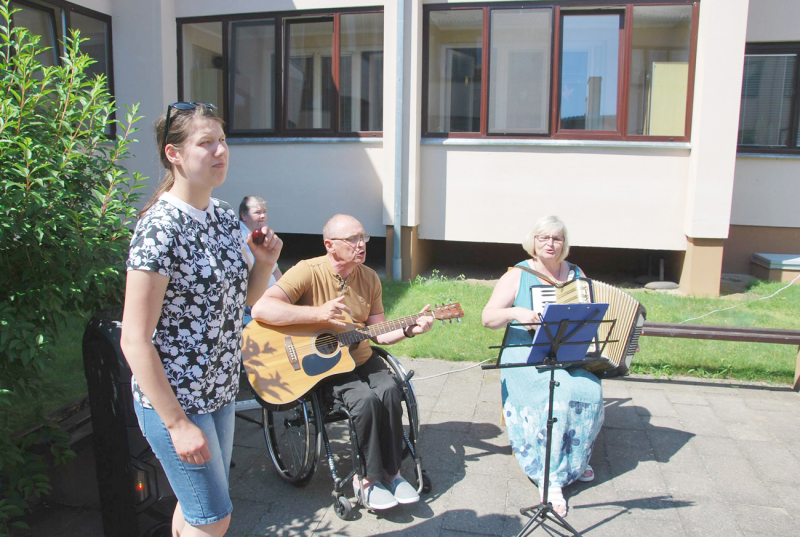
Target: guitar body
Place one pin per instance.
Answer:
(283, 363)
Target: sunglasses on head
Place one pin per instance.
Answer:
(191, 105)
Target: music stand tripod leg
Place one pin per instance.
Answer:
(546, 508)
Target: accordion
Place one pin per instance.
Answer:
(618, 340)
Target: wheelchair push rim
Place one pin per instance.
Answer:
(292, 436)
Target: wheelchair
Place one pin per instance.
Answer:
(297, 437)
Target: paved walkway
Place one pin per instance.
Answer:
(680, 457)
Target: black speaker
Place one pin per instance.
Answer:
(135, 496)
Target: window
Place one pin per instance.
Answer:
(53, 21)
(589, 71)
(280, 74)
(519, 81)
(616, 71)
(768, 117)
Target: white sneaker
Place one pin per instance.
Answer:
(376, 496)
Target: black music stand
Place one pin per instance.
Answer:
(584, 330)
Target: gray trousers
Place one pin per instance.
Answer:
(374, 397)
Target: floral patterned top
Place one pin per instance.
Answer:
(199, 332)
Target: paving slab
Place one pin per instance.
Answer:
(680, 457)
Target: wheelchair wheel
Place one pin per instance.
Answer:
(293, 439)
(342, 507)
(411, 414)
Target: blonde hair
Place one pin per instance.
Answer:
(181, 125)
(551, 224)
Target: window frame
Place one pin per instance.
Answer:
(559, 9)
(282, 20)
(765, 49)
(67, 9)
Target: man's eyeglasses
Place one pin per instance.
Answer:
(191, 105)
(355, 239)
(544, 239)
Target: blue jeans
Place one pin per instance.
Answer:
(203, 491)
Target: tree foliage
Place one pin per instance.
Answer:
(66, 206)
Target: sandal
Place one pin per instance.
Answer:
(588, 474)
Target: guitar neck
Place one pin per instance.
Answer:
(360, 334)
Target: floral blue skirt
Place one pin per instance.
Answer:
(578, 406)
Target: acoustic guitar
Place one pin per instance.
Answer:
(283, 363)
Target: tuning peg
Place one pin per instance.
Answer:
(443, 322)
(458, 320)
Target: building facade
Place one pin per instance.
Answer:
(461, 123)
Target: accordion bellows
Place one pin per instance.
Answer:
(626, 312)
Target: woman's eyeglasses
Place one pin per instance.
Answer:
(191, 105)
(355, 239)
(544, 239)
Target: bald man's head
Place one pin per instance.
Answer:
(332, 228)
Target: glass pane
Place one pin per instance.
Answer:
(202, 64)
(39, 22)
(589, 72)
(519, 78)
(765, 110)
(311, 90)
(361, 72)
(252, 75)
(97, 46)
(659, 70)
(455, 52)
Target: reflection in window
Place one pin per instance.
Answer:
(41, 22)
(765, 110)
(310, 87)
(589, 72)
(659, 70)
(455, 51)
(97, 45)
(361, 72)
(252, 75)
(202, 64)
(519, 79)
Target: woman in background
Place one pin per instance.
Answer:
(252, 216)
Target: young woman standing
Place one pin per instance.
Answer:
(187, 286)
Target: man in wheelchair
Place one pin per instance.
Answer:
(334, 289)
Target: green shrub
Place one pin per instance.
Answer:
(65, 211)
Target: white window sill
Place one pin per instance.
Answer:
(549, 142)
(790, 156)
(305, 140)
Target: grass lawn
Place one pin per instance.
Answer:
(470, 341)
(659, 356)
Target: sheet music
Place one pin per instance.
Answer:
(541, 295)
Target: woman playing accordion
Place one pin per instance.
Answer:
(578, 403)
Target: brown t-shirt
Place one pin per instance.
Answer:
(313, 282)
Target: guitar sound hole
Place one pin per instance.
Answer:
(326, 344)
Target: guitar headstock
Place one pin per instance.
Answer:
(448, 312)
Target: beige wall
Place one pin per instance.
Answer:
(764, 215)
(717, 92)
(609, 197)
(767, 192)
(773, 20)
(305, 184)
